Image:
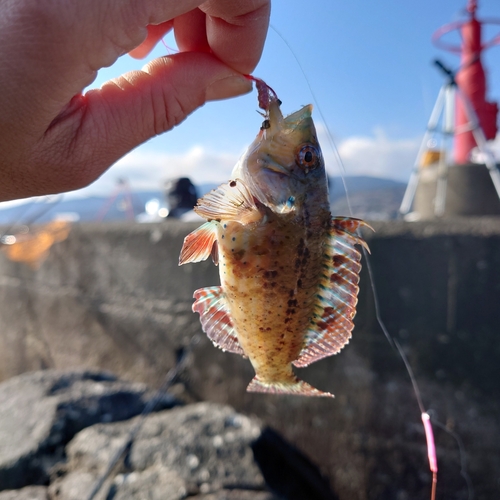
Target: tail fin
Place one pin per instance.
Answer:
(297, 388)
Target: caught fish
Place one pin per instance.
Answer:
(289, 271)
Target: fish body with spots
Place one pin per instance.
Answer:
(289, 271)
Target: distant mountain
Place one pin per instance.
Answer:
(370, 198)
(361, 183)
(88, 209)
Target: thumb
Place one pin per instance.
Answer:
(104, 124)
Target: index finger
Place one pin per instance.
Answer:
(235, 31)
(155, 33)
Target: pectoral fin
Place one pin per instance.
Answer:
(331, 326)
(215, 319)
(230, 202)
(200, 244)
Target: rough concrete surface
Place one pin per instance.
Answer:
(113, 296)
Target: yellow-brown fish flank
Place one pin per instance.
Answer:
(289, 272)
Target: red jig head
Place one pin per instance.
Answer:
(266, 94)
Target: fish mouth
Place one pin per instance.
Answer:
(276, 168)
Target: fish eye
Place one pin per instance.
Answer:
(308, 157)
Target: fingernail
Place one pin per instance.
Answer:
(231, 86)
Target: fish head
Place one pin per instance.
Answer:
(284, 165)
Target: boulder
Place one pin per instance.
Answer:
(40, 412)
(199, 448)
(203, 451)
(59, 433)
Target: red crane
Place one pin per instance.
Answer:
(471, 80)
(463, 114)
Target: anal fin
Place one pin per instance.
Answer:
(215, 319)
(295, 387)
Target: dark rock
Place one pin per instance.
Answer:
(28, 493)
(199, 448)
(154, 483)
(205, 451)
(40, 412)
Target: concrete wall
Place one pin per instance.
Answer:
(112, 296)
(469, 191)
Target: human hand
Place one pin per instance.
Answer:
(53, 138)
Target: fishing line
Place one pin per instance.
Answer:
(24, 210)
(27, 207)
(429, 435)
(49, 205)
(426, 420)
(463, 456)
(320, 112)
(343, 174)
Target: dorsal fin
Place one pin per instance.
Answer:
(215, 319)
(200, 244)
(331, 325)
(230, 202)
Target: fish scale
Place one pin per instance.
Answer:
(262, 292)
(289, 271)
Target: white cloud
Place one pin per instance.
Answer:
(148, 170)
(376, 155)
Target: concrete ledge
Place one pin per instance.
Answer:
(469, 191)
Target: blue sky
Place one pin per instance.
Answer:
(369, 65)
